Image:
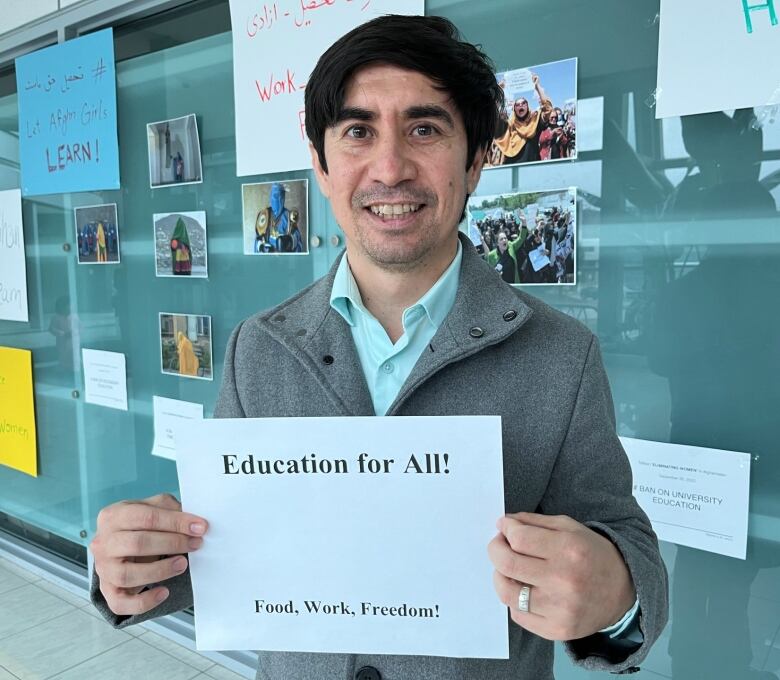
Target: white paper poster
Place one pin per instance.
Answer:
(105, 378)
(168, 413)
(346, 535)
(717, 55)
(693, 496)
(275, 48)
(13, 271)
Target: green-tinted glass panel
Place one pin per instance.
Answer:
(678, 261)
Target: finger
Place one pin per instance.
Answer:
(163, 500)
(530, 540)
(130, 574)
(125, 603)
(529, 570)
(555, 522)
(149, 543)
(508, 592)
(133, 516)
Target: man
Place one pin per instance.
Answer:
(400, 113)
(517, 139)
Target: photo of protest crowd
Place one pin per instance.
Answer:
(528, 238)
(538, 121)
(97, 234)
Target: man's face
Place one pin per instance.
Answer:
(521, 108)
(396, 176)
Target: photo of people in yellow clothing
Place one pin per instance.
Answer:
(185, 345)
(97, 234)
(539, 121)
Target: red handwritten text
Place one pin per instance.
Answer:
(277, 86)
(268, 16)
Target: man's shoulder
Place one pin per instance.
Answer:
(306, 307)
(554, 326)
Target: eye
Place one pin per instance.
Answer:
(357, 131)
(424, 130)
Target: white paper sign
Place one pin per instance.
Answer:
(346, 535)
(105, 378)
(518, 81)
(275, 48)
(538, 258)
(13, 272)
(167, 414)
(693, 496)
(716, 55)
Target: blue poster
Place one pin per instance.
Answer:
(67, 116)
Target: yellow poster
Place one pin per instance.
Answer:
(17, 411)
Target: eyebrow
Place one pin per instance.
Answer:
(354, 113)
(429, 111)
(412, 113)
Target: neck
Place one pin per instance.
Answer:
(386, 291)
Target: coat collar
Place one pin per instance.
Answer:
(485, 312)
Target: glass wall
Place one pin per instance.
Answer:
(678, 262)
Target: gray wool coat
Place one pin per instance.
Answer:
(499, 351)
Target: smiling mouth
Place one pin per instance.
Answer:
(394, 210)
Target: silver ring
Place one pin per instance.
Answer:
(524, 600)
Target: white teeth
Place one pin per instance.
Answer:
(393, 209)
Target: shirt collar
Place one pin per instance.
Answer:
(437, 302)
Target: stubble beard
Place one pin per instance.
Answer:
(398, 253)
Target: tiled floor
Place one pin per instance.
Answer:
(49, 632)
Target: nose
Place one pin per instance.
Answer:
(392, 161)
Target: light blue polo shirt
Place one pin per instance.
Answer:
(387, 365)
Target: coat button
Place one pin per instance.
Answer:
(476, 332)
(279, 318)
(327, 359)
(511, 314)
(301, 332)
(368, 673)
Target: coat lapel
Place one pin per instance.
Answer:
(485, 312)
(322, 341)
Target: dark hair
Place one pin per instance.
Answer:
(429, 45)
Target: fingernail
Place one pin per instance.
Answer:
(161, 594)
(198, 528)
(194, 543)
(180, 564)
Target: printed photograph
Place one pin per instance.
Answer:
(180, 244)
(185, 345)
(97, 234)
(528, 238)
(174, 152)
(276, 217)
(539, 121)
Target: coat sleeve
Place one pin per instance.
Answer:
(592, 483)
(180, 587)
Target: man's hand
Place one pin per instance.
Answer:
(579, 581)
(139, 543)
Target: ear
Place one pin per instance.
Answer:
(475, 171)
(323, 180)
